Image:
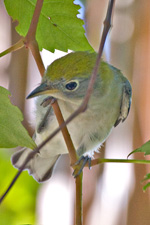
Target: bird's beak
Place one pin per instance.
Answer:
(42, 90)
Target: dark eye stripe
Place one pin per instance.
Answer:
(71, 86)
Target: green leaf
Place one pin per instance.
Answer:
(146, 186)
(144, 148)
(147, 177)
(12, 132)
(58, 27)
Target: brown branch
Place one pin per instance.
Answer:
(34, 22)
(65, 133)
(78, 209)
(30, 39)
(107, 26)
(33, 46)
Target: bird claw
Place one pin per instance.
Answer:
(48, 101)
(80, 164)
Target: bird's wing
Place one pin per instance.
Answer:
(39, 167)
(125, 103)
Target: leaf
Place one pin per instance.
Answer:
(144, 148)
(146, 186)
(147, 177)
(58, 27)
(12, 132)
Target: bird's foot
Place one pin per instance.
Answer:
(48, 101)
(80, 164)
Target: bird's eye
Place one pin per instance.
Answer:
(72, 85)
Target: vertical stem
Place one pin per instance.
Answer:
(34, 48)
(34, 22)
(65, 133)
(107, 26)
(30, 40)
(78, 207)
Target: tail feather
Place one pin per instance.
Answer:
(40, 168)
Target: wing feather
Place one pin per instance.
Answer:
(125, 103)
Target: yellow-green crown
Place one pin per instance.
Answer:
(77, 64)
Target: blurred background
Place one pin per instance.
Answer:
(112, 193)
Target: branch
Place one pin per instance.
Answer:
(78, 209)
(34, 22)
(33, 46)
(10, 186)
(107, 26)
(15, 47)
(65, 133)
(99, 161)
(30, 39)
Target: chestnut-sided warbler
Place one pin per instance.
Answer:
(67, 79)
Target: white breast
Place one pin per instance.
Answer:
(88, 130)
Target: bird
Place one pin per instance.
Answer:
(66, 79)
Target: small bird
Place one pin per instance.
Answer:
(66, 80)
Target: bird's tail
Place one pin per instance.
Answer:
(40, 168)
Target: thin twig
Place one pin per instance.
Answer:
(10, 186)
(99, 161)
(15, 47)
(34, 22)
(78, 209)
(30, 39)
(37, 56)
(30, 156)
(107, 26)
(66, 135)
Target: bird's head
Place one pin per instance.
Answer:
(67, 78)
